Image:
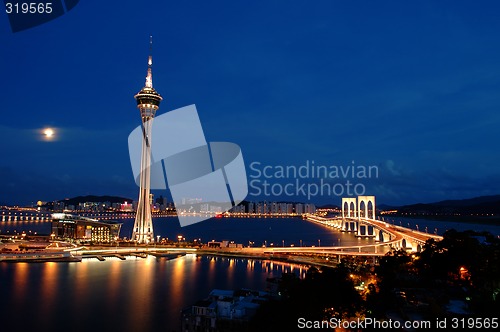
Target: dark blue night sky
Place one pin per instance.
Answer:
(412, 87)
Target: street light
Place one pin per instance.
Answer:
(301, 243)
(283, 243)
(319, 243)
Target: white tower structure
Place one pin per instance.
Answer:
(148, 102)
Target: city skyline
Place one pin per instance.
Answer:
(409, 89)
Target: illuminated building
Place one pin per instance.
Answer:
(299, 208)
(310, 208)
(148, 102)
(69, 227)
(251, 207)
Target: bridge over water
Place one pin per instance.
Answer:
(358, 217)
(386, 235)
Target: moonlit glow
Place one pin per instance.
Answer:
(49, 132)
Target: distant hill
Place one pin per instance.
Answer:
(385, 207)
(470, 202)
(91, 198)
(477, 205)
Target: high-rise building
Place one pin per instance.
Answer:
(310, 208)
(259, 208)
(58, 206)
(251, 207)
(204, 208)
(299, 208)
(274, 208)
(148, 102)
(283, 208)
(266, 208)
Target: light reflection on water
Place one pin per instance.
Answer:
(21, 276)
(133, 295)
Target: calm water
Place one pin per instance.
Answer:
(146, 294)
(133, 295)
(241, 230)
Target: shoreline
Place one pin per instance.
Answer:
(171, 253)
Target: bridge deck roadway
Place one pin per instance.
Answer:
(397, 233)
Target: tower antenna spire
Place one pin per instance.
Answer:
(150, 45)
(149, 78)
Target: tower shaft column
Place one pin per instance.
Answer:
(143, 227)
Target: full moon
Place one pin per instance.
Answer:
(49, 132)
